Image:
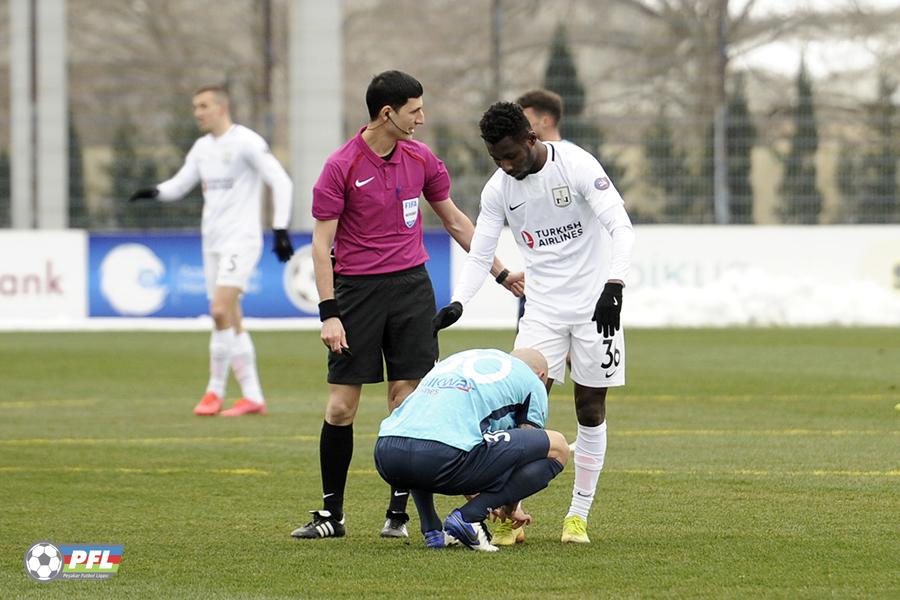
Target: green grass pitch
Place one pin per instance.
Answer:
(741, 463)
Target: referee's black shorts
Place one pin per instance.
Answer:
(387, 317)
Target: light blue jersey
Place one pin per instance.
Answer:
(468, 394)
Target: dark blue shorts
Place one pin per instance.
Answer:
(416, 464)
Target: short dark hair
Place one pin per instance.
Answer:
(543, 101)
(220, 91)
(503, 119)
(391, 88)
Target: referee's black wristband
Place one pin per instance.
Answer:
(502, 276)
(328, 308)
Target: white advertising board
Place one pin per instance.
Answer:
(43, 277)
(754, 275)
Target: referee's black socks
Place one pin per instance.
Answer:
(335, 452)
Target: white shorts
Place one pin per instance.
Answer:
(230, 268)
(596, 361)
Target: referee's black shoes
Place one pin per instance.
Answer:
(322, 525)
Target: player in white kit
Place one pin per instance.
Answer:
(231, 161)
(571, 226)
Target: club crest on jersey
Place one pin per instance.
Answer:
(410, 211)
(561, 196)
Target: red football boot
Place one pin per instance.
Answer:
(209, 406)
(245, 407)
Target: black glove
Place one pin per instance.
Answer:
(446, 317)
(144, 194)
(608, 309)
(282, 246)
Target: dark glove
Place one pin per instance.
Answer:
(144, 194)
(282, 246)
(608, 309)
(446, 317)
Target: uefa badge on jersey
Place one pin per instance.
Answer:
(601, 183)
(410, 211)
(561, 196)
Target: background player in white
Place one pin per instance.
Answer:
(544, 111)
(231, 161)
(556, 198)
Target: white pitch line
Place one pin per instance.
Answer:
(762, 473)
(134, 471)
(164, 441)
(40, 404)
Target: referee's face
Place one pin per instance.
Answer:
(515, 156)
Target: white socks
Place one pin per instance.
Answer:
(220, 345)
(590, 450)
(243, 361)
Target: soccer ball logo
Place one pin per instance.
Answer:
(43, 561)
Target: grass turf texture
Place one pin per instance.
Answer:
(741, 463)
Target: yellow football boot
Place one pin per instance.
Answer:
(575, 530)
(505, 535)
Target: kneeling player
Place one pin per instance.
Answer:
(473, 426)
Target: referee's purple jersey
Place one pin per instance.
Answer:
(376, 203)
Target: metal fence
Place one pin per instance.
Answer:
(805, 135)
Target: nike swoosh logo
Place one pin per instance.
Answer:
(611, 373)
(364, 181)
(583, 495)
(473, 535)
(516, 206)
(398, 494)
(326, 495)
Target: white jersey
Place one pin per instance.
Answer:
(571, 227)
(232, 168)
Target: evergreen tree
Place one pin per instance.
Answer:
(741, 137)
(704, 184)
(878, 196)
(79, 216)
(129, 172)
(801, 201)
(561, 77)
(848, 175)
(5, 189)
(667, 169)
(469, 163)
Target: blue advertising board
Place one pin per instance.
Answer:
(161, 275)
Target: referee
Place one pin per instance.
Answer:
(377, 302)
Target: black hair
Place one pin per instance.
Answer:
(503, 119)
(391, 88)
